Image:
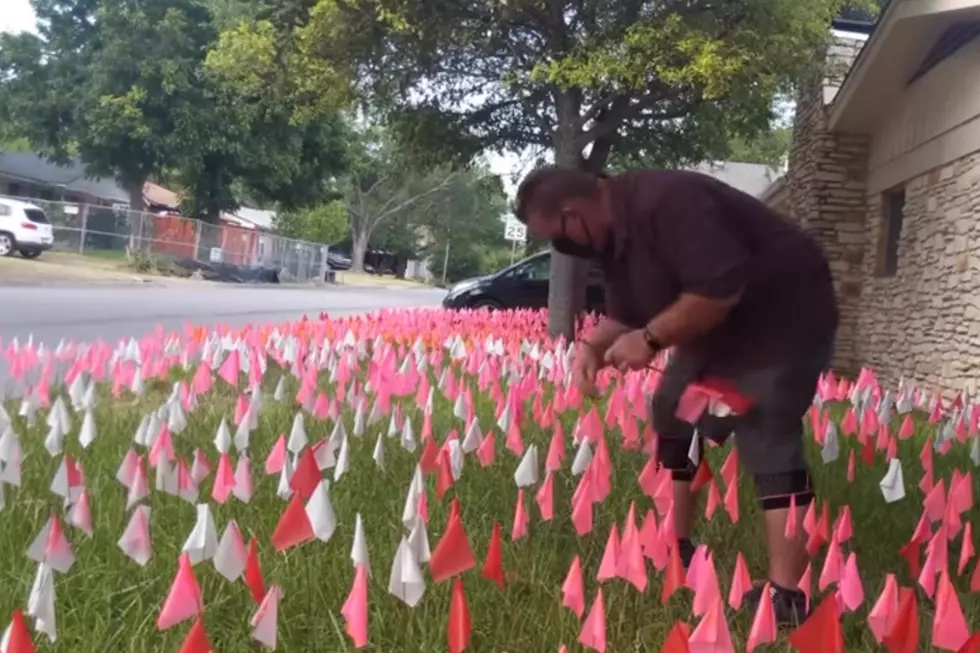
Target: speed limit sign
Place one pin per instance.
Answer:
(515, 231)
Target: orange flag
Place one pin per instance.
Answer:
(196, 640)
(677, 639)
(460, 626)
(821, 632)
(904, 635)
(452, 556)
(294, 526)
(674, 578)
(493, 568)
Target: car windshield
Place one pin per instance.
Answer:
(536, 269)
(36, 216)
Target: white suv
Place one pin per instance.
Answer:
(23, 228)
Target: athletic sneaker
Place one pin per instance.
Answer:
(686, 549)
(788, 605)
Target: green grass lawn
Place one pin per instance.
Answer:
(106, 254)
(108, 602)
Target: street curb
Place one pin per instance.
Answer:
(75, 283)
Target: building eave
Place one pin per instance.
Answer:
(775, 188)
(904, 34)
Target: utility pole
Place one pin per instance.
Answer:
(445, 262)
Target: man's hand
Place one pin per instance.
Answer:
(630, 352)
(585, 367)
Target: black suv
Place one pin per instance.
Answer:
(522, 285)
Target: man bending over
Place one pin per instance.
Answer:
(737, 291)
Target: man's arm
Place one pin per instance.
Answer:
(689, 317)
(603, 335)
(611, 325)
(709, 261)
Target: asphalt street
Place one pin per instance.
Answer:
(112, 313)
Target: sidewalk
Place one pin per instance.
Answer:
(57, 269)
(16, 271)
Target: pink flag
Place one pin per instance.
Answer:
(355, 611)
(183, 602)
(593, 634)
(572, 594)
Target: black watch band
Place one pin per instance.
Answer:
(651, 340)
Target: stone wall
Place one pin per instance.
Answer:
(924, 322)
(826, 177)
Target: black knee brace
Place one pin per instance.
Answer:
(775, 491)
(675, 438)
(672, 454)
(717, 429)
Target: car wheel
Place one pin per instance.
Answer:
(6, 244)
(30, 253)
(489, 304)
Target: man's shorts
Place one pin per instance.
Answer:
(769, 437)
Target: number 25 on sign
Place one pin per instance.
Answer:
(515, 231)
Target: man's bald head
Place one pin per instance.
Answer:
(545, 189)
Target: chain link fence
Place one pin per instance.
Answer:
(116, 233)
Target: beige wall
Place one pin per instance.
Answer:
(924, 323)
(936, 122)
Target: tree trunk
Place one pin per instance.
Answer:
(358, 247)
(401, 266)
(135, 218)
(566, 292)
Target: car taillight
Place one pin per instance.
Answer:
(30, 226)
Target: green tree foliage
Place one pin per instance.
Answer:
(291, 144)
(271, 63)
(864, 11)
(325, 223)
(115, 82)
(669, 80)
(229, 14)
(137, 89)
(458, 229)
(770, 148)
(464, 223)
(382, 193)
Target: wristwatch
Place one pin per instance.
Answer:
(652, 342)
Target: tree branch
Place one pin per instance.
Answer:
(624, 109)
(387, 210)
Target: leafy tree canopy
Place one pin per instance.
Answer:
(770, 148)
(383, 193)
(115, 81)
(326, 223)
(137, 91)
(669, 80)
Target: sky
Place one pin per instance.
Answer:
(17, 16)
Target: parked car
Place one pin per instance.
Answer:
(338, 261)
(24, 228)
(522, 285)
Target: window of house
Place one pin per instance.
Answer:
(893, 215)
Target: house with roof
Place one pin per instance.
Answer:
(25, 174)
(752, 178)
(885, 170)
